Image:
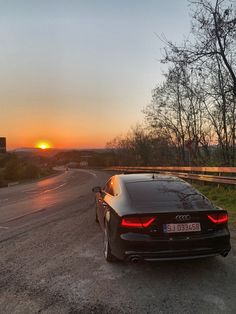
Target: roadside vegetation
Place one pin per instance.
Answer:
(14, 168)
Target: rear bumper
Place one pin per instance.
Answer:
(173, 255)
(172, 248)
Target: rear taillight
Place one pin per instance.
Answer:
(137, 222)
(218, 218)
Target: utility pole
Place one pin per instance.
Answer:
(3, 145)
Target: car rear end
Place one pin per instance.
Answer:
(164, 236)
(170, 220)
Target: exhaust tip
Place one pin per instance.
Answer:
(135, 259)
(224, 253)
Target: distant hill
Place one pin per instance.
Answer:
(53, 151)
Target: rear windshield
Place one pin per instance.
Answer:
(164, 195)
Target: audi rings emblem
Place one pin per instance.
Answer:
(183, 217)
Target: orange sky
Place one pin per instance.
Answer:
(79, 73)
(69, 130)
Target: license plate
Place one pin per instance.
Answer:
(184, 227)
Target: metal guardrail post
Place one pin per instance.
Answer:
(218, 185)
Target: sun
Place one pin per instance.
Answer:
(43, 145)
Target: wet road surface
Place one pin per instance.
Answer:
(51, 259)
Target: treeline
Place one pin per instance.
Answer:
(15, 168)
(142, 147)
(94, 158)
(192, 116)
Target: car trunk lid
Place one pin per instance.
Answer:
(176, 224)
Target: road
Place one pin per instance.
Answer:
(51, 260)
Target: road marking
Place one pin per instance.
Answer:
(84, 170)
(1, 227)
(27, 214)
(30, 213)
(93, 174)
(53, 189)
(46, 191)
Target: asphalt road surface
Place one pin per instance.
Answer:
(51, 260)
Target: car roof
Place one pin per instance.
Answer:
(145, 177)
(126, 202)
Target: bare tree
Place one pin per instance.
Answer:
(178, 109)
(195, 106)
(212, 53)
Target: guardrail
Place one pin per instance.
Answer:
(192, 173)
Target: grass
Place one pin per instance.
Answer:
(224, 197)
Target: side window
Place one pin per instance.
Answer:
(116, 188)
(109, 187)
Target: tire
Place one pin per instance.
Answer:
(106, 247)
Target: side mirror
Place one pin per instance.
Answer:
(97, 189)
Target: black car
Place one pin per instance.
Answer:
(158, 217)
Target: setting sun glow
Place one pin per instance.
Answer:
(43, 145)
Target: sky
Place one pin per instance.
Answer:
(78, 73)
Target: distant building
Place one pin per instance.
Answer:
(83, 164)
(3, 145)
